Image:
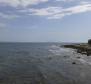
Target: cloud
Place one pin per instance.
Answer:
(51, 12)
(22, 3)
(45, 11)
(65, 0)
(60, 12)
(7, 16)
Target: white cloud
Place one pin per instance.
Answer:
(79, 9)
(50, 12)
(65, 0)
(45, 11)
(59, 12)
(6, 16)
(22, 3)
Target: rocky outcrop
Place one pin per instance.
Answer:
(89, 42)
(81, 48)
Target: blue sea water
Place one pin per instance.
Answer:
(19, 62)
(42, 63)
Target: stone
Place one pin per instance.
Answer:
(78, 57)
(89, 41)
(73, 62)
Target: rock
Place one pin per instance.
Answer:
(89, 41)
(79, 51)
(65, 56)
(83, 48)
(88, 54)
(73, 62)
(78, 57)
(49, 58)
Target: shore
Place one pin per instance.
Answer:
(82, 48)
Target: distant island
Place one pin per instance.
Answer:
(83, 48)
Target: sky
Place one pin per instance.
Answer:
(45, 20)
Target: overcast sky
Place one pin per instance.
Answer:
(45, 20)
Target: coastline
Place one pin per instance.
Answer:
(83, 48)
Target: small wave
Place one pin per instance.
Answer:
(83, 61)
(55, 47)
(57, 50)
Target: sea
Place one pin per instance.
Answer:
(43, 63)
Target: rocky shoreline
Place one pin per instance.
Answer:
(83, 48)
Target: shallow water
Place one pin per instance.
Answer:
(42, 63)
